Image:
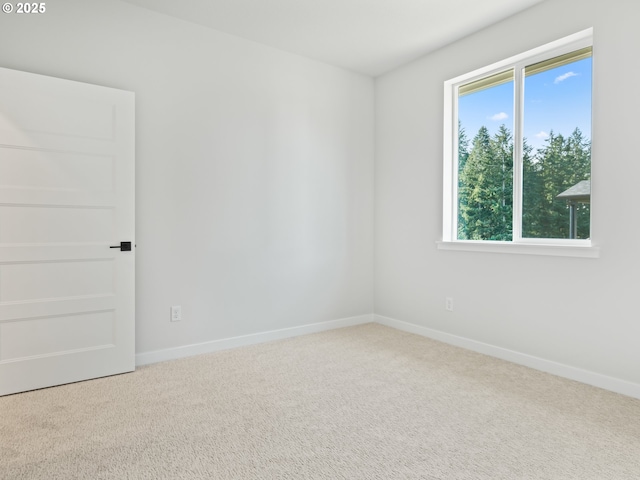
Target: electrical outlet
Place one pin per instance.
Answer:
(448, 303)
(176, 313)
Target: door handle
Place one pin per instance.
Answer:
(124, 246)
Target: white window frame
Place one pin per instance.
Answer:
(562, 247)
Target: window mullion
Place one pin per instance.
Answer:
(518, 143)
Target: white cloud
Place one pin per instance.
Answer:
(542, 135)
(499, 116)
(563, 77)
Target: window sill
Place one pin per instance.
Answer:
(585, 251)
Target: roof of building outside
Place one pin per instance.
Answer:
(580, 192)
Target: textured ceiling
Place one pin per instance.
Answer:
(366, 36)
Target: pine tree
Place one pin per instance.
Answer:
(579, 156)
(532, 195)
(486, 187)
(463, 147)
(502, 166)
(463, 155)
(559, 165)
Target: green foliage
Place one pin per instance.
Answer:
(485, 186)
(463, 155)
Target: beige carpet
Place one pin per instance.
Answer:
(366, 402)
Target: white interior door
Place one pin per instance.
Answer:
(67, 300)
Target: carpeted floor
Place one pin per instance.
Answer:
(366, 402)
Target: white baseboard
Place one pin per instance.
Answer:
(584, 376)
(146, 358)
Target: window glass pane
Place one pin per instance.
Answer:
(556, 174)
(485, 159)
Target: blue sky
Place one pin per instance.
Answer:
(558, 99)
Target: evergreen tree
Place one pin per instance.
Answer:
(532, 195)
(560, 164)
(579, 155)
(502, 191)
(463, 147)
(463, 155)
(486, 187)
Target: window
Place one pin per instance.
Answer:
(518, 149)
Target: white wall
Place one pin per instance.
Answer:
(578, 312)
(254, 168)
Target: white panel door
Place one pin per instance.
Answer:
(67, 300)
